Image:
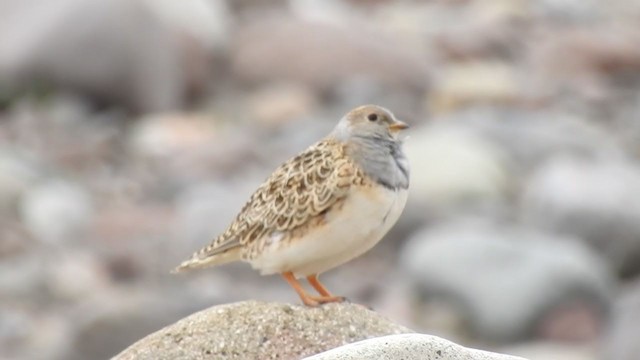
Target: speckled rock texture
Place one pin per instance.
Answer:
(408, 347)
(259, 330)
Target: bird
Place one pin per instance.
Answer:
(322, 208)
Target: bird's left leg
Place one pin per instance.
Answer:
(326, 295)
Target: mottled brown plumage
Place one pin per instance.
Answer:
(330, 203)
(291, 200)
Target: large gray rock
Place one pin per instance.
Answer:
(408, 347)
(258, 330)
(593, 200)
(120, 51)
(506, 283)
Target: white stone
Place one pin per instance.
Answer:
(408, 347)
(452, 164)
(56, 211)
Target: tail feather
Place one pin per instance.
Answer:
(198, 262)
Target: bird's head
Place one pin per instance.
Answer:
(369, 121)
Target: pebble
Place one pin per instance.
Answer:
(57, 211)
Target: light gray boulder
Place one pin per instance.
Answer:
(408, 347)
(504, 283)
(591, 199)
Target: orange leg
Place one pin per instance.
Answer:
(326, 295)
(306, 298)
(313, 280)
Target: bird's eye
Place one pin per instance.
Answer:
(372, 117)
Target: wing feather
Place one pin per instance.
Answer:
(298, 191)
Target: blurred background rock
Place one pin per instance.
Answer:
(131, 131)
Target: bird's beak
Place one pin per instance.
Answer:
(398, 125)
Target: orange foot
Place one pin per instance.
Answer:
(307, 299)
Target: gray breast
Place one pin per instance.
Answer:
(383, 160)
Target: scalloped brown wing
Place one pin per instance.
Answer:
(298, 192)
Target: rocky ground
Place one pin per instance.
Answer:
(132, 131)
(259, 330)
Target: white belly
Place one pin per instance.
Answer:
(364, 219)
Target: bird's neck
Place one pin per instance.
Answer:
(382, 159)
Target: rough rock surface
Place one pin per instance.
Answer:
(259, 330)
(407, 347)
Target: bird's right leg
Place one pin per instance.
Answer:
(306, 298)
